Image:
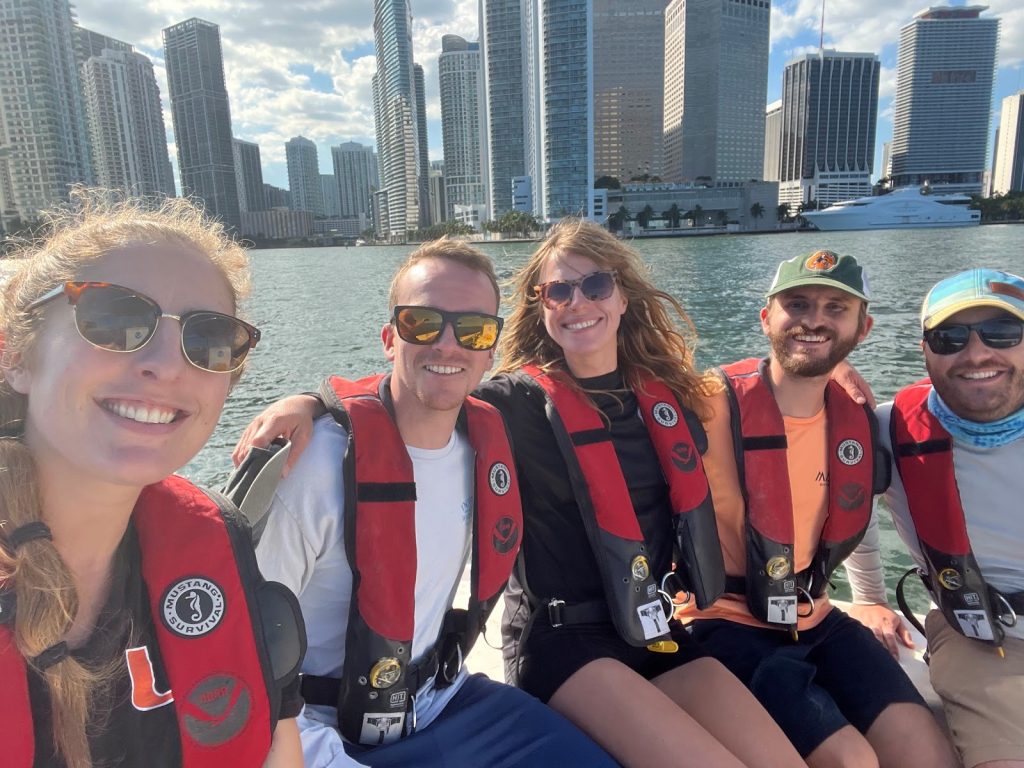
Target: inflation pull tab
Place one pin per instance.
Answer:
(664, 646)
(794, 634)
(999, 650)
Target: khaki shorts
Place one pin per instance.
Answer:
(983, 694)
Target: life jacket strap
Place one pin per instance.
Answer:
(325, 691)
(561, 614)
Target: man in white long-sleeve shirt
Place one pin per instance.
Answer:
(958, 446)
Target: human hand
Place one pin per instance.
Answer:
(856, 386)
(886, 624)
(291, 418)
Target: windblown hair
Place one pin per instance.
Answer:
(450, 250)
(651, 343)
(45, 596)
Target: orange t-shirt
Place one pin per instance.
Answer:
(807, 459)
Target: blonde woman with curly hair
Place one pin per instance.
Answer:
(135, 628)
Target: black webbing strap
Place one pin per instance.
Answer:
(901, 600)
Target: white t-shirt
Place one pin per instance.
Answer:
(303, 548)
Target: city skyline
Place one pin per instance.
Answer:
(309, 73)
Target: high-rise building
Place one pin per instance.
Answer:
(945, 72)
(331, 195)
(438, 204)
(304, 175)
(716, 83)
(886, 169)
(89, 43)
(506, 60)
(461, 81)
(628, 88)
(423, 167)
(44, 145)
(396, 120)
(276, 197)
(355, 168)
(772, 140)
(829, 112)
(126, 124)
(1008, 166)
(567, 106)
(249, 176)
(202, 117)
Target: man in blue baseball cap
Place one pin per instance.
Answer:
(957, 441)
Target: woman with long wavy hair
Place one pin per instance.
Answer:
(135, 628)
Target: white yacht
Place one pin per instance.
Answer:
(904, 208)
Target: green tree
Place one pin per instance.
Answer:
(673, 215)
(618, 219)
(698, 216)
(644, 217)
(757, 210)
(607, 182)
(782, 212)
(723, 218)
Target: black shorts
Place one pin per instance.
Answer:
(837, 674)
(554, 654)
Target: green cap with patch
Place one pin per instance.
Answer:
(822, 268)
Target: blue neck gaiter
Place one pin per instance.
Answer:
(991, 434)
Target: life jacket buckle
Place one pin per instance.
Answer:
(671, 594)
(810, 600)
(555, 611)
(446, 665)
(1008, 612)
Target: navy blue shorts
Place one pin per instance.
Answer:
(837, 674)
(494, 725)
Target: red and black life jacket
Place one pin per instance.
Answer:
(923, 452)
(631, 590)
(856, 471)
(379, 680)
(201, 586)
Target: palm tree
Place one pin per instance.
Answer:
(757, 211)
(723, 218)
(698, 215)
(644, 217)
(672, 215)
(618, 219)
(782, 212)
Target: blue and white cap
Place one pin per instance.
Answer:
(973, 288)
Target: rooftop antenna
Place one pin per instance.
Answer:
(821, 38)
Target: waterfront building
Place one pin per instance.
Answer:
(698, 205)
(89, 43)
(248, 175)
(355, 168)
(275, 197)
(829, 112)
(438, 200)
(772, 140)
(344, 228)
(126, 124)
(1008, 163)
(331, 195)
(629, 75)
(423, 164)
(716, 83)
(304, 175)
(461, 83)
(522, 194)
(277, 224)
(506, 57)
(396, 120)
(202, 117)
(945, 73)
(44, 145)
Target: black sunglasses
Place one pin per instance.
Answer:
(996, 332)
(597, 286)
(119, 319)
(477, 331)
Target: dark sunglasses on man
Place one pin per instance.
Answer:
(120, 319)
(996, 332)
(476, 331)
(597, 286)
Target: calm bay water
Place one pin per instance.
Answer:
(321, 310)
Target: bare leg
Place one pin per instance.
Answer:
(846, 748)
(906, 736)
(634, 721)
(1001, 764)
(719, 702)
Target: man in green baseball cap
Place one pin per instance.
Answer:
(793, 463)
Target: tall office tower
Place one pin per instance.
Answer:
(829, 111)
(1008, 166)
(44, 145)
(304, 175)
(886, 169)
(716, 83)
(505, 59)
(461, 84)
(331, 195)
(355, 168)
(248, 176)
(945, 71)
(567, 107)
(629, 74)
(423, 167)
(772, 140)
(396, 120)
(202, 117)
(126, 123)
(438, 203)
(89, 43)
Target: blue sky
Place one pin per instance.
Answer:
(303, 67)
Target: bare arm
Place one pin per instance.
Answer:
(291, 417)
(285, 749)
